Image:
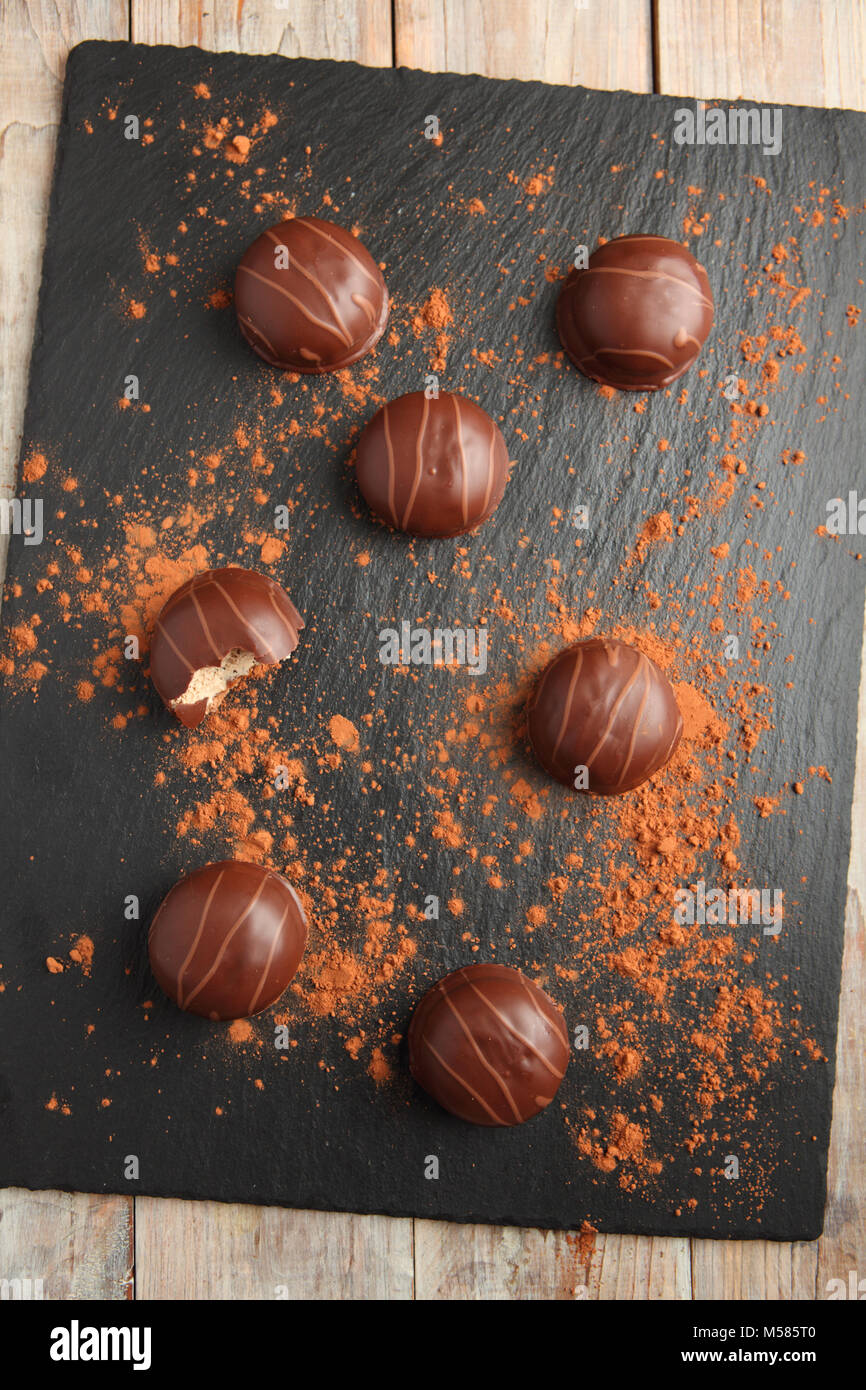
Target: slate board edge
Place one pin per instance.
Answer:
(257, 58)
(313, 1201)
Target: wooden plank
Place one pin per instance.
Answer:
(34, 40)
(80, 1246)
(208, 1249)
(67, 1244)
(344, 29)
(500, 1262)
(754, 1270)
(808, 52)
(565, 41)
(644, 1267)
(555, 41)
(201, 1250)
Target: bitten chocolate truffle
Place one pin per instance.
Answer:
(432, 467)
(488, 1045)
(226, 941)
(638, 315)
(212, 631)
(606, 707)
(309, 297)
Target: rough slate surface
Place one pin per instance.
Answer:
(83, 824)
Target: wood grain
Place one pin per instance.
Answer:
(498, 1262)
(798, 51)
(754, 1270)
(208, 1249)
(806, 52)
(643, 1267)
(80, 1246)
(342, 29)
(34, 41)
(213, 1250)
(556, 41)
(77, 1245)
(551, 40)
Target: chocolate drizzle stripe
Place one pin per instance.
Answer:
(647, 275)
(636, 723)
(488, 490)
(461, 1081)
(205, 629)
(641, 236)
(488, 1067)
(464, 472)
(317, 285)
(392, 470)
(627, 352)
(225, 943)
(364, 303)
(556, 1020)
(298, 269)
(542, 683)
(175, 648)
(605, 733)
(298, 303)
(233, 606)
(419, 464)
(197, 938)
(251, 1007)
(290, 627)
(344, 250)
(566, 713)
(182, 592)
(257, 332)
(673, 743)
(515, 1032)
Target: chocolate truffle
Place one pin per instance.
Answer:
(212, 631)
(309, 297)
(432, 467)
(488, 1045)
(637, 316)
(226, 941)
(603, 706)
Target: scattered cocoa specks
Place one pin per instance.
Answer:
(668, 1003)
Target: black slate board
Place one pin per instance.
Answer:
(83, 825)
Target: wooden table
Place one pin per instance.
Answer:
(809, 52)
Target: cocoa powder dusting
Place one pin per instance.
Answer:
(668, 1007)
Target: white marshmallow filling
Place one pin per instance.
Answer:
(211, 682)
